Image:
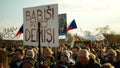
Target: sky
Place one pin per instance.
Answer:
(89, 14)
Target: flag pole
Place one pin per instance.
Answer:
(39, 44)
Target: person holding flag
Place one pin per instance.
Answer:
(71, 27)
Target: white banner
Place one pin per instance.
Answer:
(10, 34)
(47, 15)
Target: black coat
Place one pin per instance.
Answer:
(117, 64)
(91, 64)
(14, 65)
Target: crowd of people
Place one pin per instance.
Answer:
(59, 57)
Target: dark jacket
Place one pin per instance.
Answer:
(14, 65)
(91, 64)
(68, 65)
(117, 64)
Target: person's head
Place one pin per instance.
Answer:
(83, 56)
(18, 54)
(99, 52)
(47, 52)
(49, 60)
(65, 56)
(30, 53)
(111, 55)
(3, 59)
(107, 65)
(74, 50)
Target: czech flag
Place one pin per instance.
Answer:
(72, 26)
(20, 31)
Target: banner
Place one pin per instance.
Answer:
(62, 24)
(10, 34)
(47, 15)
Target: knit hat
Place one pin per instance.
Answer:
(65, 53)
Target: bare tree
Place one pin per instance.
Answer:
(104, 30)
(0, 36)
